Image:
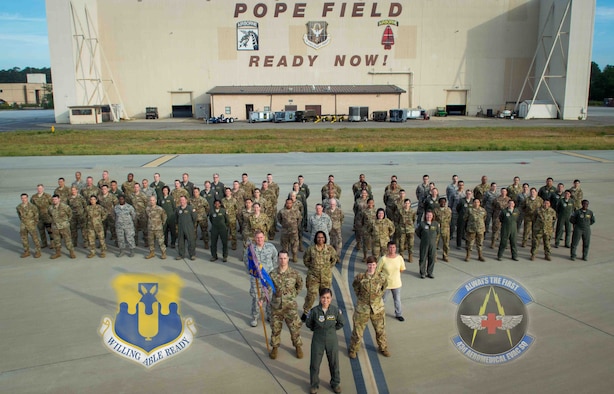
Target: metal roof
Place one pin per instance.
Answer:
(307, 89)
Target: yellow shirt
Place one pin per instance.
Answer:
(392, 268)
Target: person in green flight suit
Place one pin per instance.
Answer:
(324, 320)
(219, 229)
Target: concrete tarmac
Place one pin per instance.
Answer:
(52, 309)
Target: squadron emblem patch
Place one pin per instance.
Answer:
(148, 327)
(492, 319)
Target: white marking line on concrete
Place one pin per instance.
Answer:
(159, 161)
(593, 158)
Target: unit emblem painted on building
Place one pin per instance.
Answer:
(148, 327)
(492, 319)
(317, 34)
(247, 36)
(388, 35)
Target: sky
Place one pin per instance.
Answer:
(24, 43)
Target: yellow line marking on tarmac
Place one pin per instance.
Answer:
(593, 158)
(159, 161)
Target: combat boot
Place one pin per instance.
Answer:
(273, 353)
(548, 257)
(25, 254)
(411, 258)
(151, 255)
(480, 257)
(37, 254)
(72, 254)
(294, 259)
(103, 254)
(206, 244)
(57, 254)
(532, 257)
(234, 245)
(92, 254)
(299, 352)
(467, 255)
(163, 257)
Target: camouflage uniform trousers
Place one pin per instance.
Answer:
(290, 242)
(141, 225)
(77, 224)
(204, 230)
(477, 238)
(109, 226)
(125, 233)
(528, 226)
(288, 314)
(367, 242)
(152, 236)
(232, 230)
(93, 231)
(540, 235)
(314, 282)
(380, 246)
(44, 228)
(496, 228)
(336, 240)
(32, 230)
(378, 320)
(406, 242)
(58, 234)
(444, 236)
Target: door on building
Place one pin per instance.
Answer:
(316, 108)
(181, 104)
(248, 108)
(456, 102)
(290, 108)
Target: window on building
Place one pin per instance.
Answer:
(78, 112)
(267, 108)
(227, 110)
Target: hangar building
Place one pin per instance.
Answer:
(195, 57)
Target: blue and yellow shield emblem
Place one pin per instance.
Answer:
(148, 327)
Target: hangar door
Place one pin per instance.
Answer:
(456, 102)
(181, 104)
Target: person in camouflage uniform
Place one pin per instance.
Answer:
(266, 255)
(108, 201)
(514, 189)
(219, 230)
(487, 203)
(139, 201)
(582, 220)
(42, 201)
(475, 228)
(359, 205)
(78, 182)
(336, 216)
(128, 187)
(508, 218)
(271, 211)
(319, 259)
(564, 209)
(288, 283)
(303, 190)
(369, 287)
(543, 229)
(96, 215)
(28, 218)
(422, 192)
(383, 230)
(148, 190)
(158, 185)
(577, 194)
(500, 203)
(170, 226)
(246, 213)
(443, 216)
(231, 205)
(239, 195)
(367, 220)
(529, 206)
(90, 189)
(406, 228)
(62, 190)
(520, 199)
(77, 204)
(330, 184)
(202, 207)
(60, 226)
(105, 180)
(125, 219)
(258, 221)
(247, 186)
(178, 192)
(298, 206)
(479, 190)
(391, 198)
(290, 221)
(156, 218)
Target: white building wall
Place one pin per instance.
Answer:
(155, 47)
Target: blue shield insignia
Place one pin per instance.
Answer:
(148, 327)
